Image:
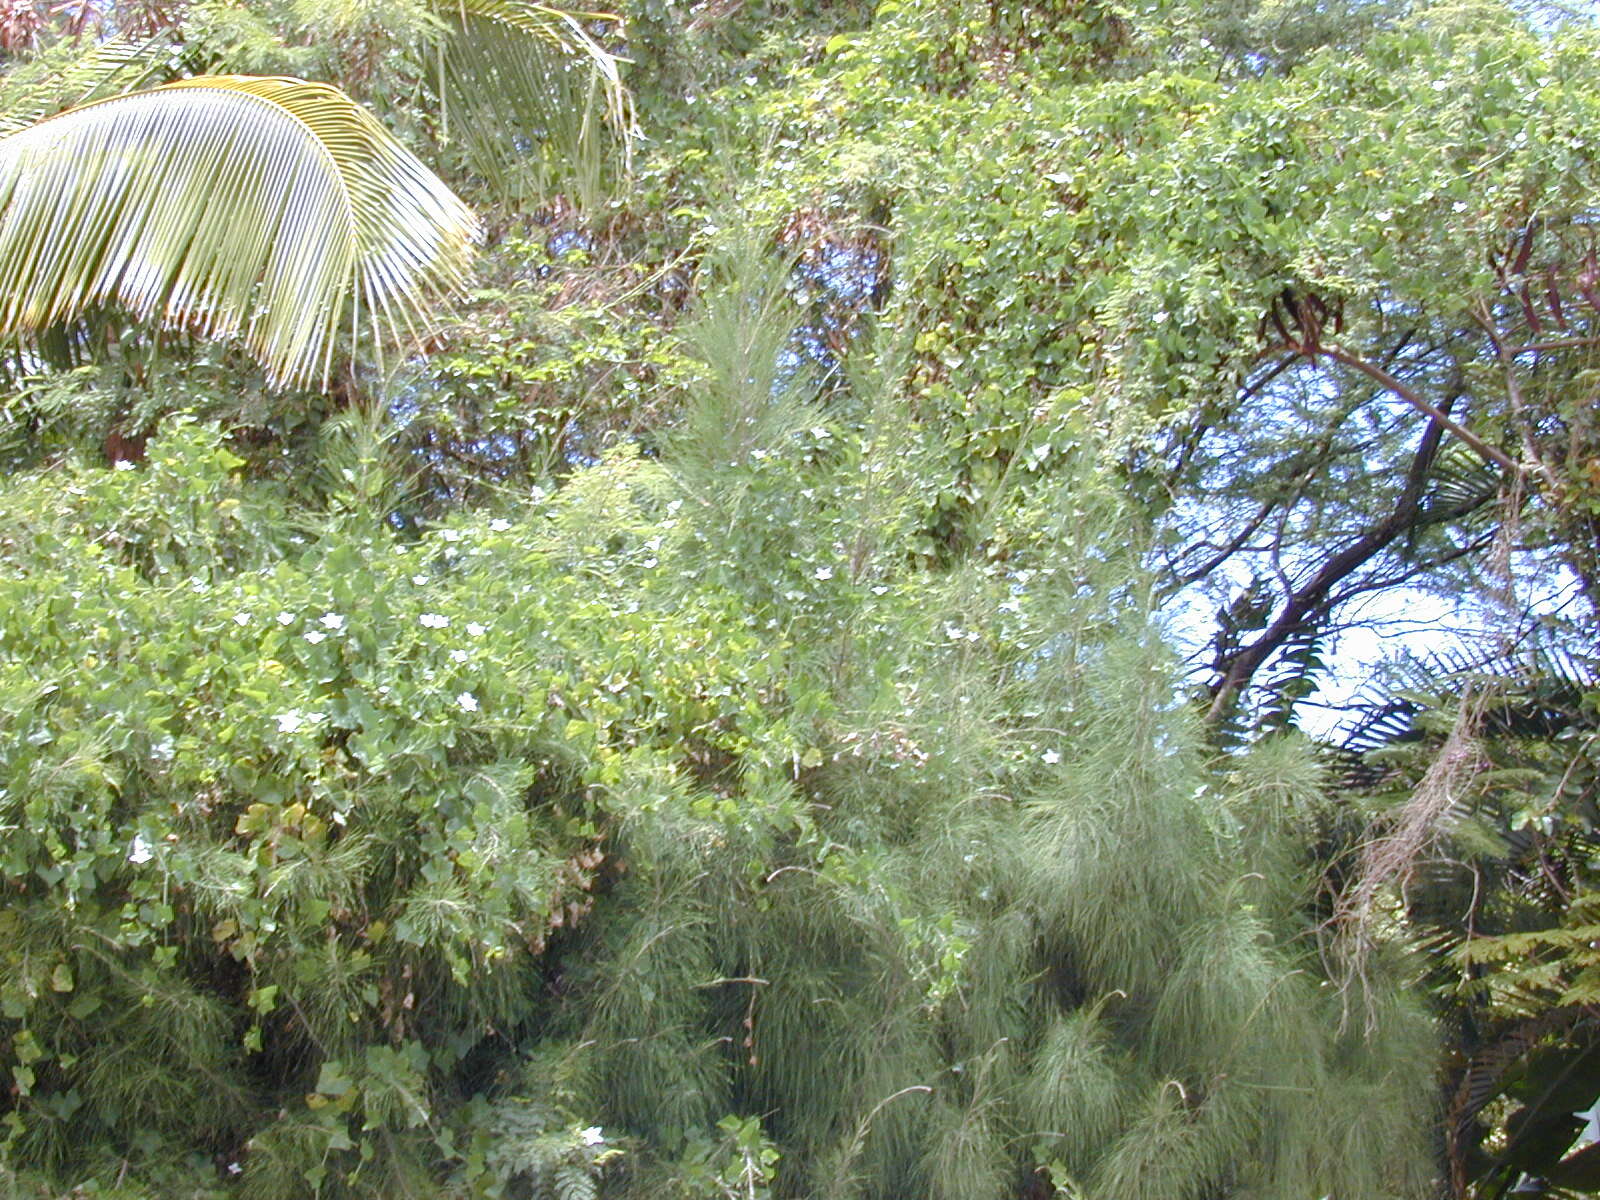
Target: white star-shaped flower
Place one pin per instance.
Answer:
(1591, 1128)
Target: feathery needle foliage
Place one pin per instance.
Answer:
(226, 206)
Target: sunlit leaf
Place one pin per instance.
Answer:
(226, 206)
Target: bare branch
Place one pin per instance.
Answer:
(1391, 384)
(1558, 344)
(1308, 600)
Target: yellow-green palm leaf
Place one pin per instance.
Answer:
(229, 206)
(535, 101)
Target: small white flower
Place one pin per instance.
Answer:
(592, 1136)
(315, 636)
(332, 621)
(824, 573)
(433, 620)
(1051, 757)
(286, 618)
(241, 618)
(468, 702)
(450, 535)
(141, 851)
(420, 580)
(1591, 1130)
(163, 750)
(290, 721)
(499, 524)
(340, 816)
(880, 590)
(123, 464)
(476, 630)
(458, 656)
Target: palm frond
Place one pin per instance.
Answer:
(535, 101)
(66, 77)
(1462, 480)
(226, 206)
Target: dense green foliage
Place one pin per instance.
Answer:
(708, 717)
(290, 906)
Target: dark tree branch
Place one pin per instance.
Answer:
(1226, 551)
(1391, 384)
(1475, 546)
(1559, 344)
(1310, 600)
